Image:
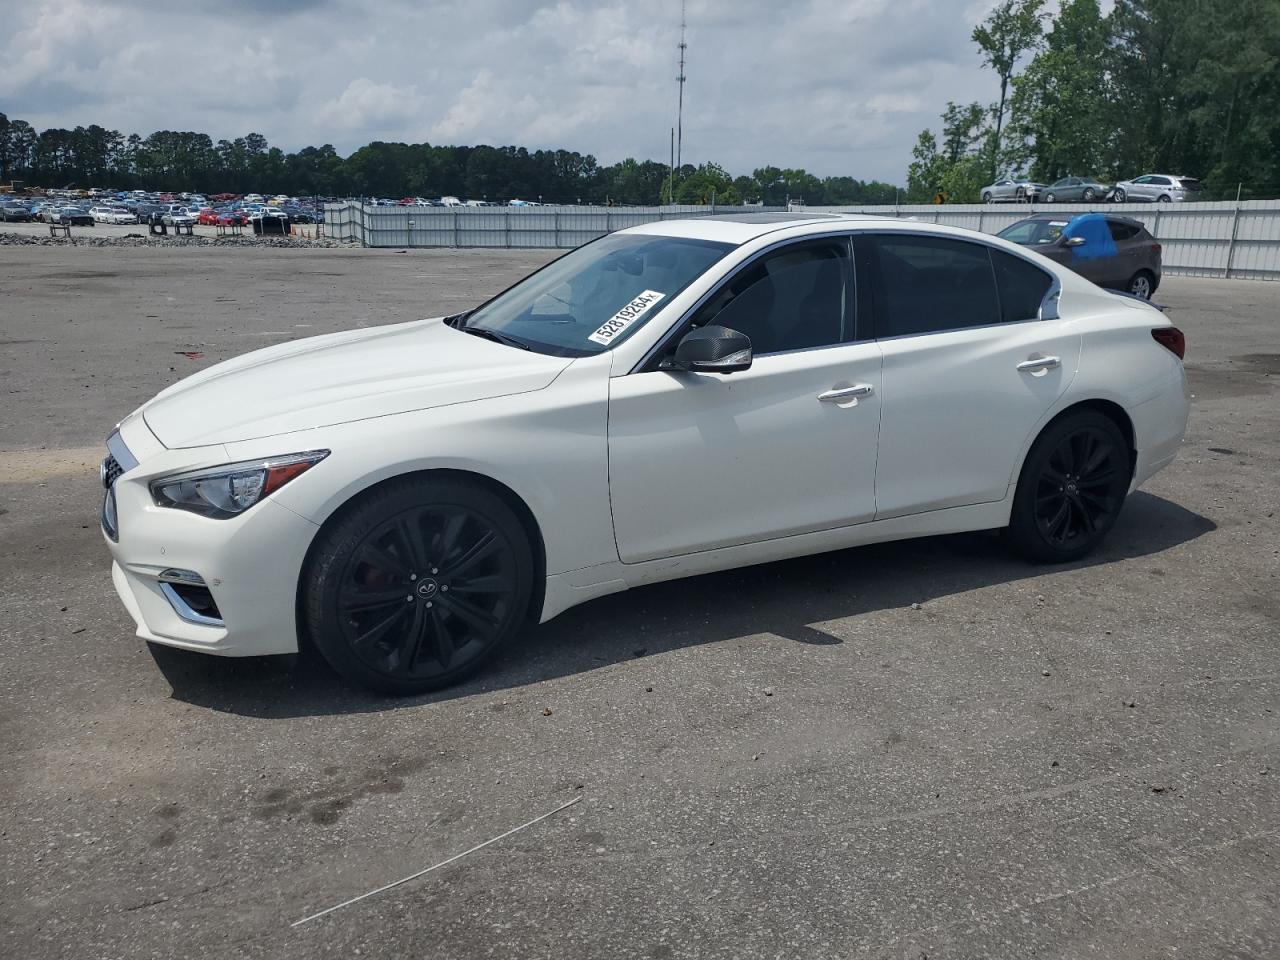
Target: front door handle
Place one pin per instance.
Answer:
(1039, 363)
(844, 393)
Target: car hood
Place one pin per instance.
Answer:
(342, 377)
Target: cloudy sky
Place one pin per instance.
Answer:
(834, 86)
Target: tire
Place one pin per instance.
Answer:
(417, 584)
(988, 198)
(1118, 196)
(1142, 284)
(1165, 198)
(1049, 198)
(1090, 195)
(1086, 457)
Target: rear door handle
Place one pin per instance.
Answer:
(844, 393)
(1039, 363)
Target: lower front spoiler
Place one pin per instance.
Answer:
(158, 620)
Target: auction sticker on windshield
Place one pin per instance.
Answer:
(625, 317)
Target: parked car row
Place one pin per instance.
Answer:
(141, 208)
(1148, 188)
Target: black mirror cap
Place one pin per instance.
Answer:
(712, 349)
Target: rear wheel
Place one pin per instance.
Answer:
(1050, 198)
(1165, 198)
(1072, 486)
(1142, 284)
(1090, 195)
(418, 585)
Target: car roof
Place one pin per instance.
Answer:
(740, 228)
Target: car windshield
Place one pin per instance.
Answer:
(1032, 232)
(596, 295)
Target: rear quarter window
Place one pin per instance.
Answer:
(1022, 287)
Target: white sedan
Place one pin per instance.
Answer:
(112, 215)
(671, 399)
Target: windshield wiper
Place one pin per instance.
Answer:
(495, 336)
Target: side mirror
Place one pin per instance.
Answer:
(711, 349)
(1074, 242)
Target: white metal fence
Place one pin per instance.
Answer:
(1199, 239)
(560, 226)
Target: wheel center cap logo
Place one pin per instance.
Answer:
(1071, 488)
(427, 589)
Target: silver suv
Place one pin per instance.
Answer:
(1158, 188)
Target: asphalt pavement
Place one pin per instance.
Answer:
(925, 749)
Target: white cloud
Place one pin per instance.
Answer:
(835, 86)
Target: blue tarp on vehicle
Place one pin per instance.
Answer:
(1098, 241)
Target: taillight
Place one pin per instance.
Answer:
(1157, 248)
(1172, 338)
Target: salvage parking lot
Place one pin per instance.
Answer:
(926, 748)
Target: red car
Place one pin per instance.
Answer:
(209, 218)
(234, 216)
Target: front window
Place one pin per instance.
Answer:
(1031, 233)
(597, 295)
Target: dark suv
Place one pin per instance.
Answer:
(1112, 251)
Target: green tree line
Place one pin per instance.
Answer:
(1189, 87)
(174, 161)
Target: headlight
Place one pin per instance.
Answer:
(229, 490)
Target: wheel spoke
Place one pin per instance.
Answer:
(1098, 479)
(409, 530)
(380, 629)
(356, 600)
(1086, 520)
(381, 560)
(1101, 453)
(486, 545)
(479, 620)
(1060, 518)
(412, 639)
(443, 637)
(488, 584)
(447, 542)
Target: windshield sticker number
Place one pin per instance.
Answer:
(625, 317)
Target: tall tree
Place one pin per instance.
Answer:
(1012, 30)
(1061, 114)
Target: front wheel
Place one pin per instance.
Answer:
(417, 585)
(1072, 486)
(1090, 195)
(1050, 198)
(988, 198)
(1118, 196)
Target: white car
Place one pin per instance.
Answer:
(672, 399)
(112, 215)
(1158, 188)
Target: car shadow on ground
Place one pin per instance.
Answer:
(784, 599)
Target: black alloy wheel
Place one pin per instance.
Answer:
(1072, 487)
(418, 585)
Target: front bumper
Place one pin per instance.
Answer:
(249, 563)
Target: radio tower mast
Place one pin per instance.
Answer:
(680, 81)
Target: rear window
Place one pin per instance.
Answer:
(1123, 231)
(1189, 184)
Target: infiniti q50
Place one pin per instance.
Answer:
(671, 399)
